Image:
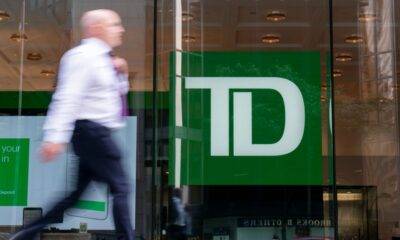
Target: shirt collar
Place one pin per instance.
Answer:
(100, 45)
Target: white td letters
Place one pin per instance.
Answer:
(242, 115)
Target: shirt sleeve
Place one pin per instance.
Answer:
(72, 83)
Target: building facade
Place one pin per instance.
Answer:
(275, 119)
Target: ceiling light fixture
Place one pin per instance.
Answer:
(365, 17)
(383, 100)
(337, 73)
(47, 73)
(364, 3)
(271, 39)
(18, 38)
(343, 57)
(188, 39)
(187, 17)
(276, 16)
(354, 39)
(34, 56)
(4, 16)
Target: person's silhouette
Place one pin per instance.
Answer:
(178, 227)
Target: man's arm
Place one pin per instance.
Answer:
(72, 81)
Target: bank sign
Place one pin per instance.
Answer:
(245, 118)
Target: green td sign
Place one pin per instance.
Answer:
(243, 118)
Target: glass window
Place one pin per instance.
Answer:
(34, 36)
(366, 114)
(249, 142)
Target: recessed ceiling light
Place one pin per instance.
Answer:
(4, 16)
(337, 73)
(276, 16)
(383, 100)
(365, 17)
(343, 57)
(271, 38)
(188, 39)
(187, 17)
(354, 39)
(18, 38)
(47, 73)
(34, 56)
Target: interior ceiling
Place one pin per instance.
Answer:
(239, 25)
(51, 27)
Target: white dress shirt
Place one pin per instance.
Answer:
(88, 87)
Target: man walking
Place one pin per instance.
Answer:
(87, 105)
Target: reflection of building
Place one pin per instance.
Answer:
(206, 38)
(289, 213)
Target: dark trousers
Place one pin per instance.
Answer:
(99, 160)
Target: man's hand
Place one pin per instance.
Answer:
(120, 65)
(50, 151)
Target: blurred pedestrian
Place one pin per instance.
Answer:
(89, 102)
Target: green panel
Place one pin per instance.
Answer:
(41, 100)
(30, 100)
(14, 160)
(199, 167)
(91, 205)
